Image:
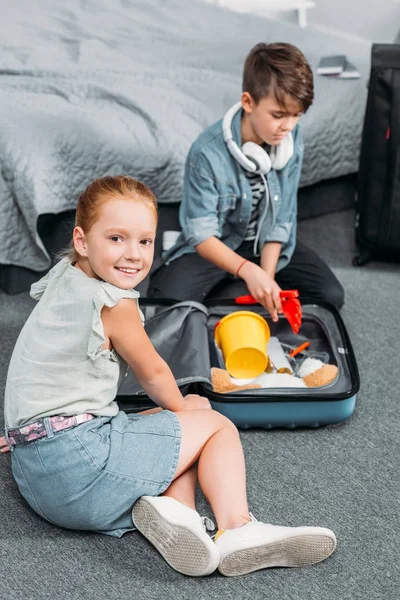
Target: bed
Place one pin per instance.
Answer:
(99, 87)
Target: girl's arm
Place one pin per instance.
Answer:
(122, 325)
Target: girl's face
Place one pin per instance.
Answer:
(268, 122)
(119, 247)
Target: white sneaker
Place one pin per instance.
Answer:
(259, 546)
(178, 533)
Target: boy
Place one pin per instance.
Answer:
(239, 209)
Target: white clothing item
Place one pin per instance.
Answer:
(309, 365)
(279, 380)
(273, 380)
(169, 239)
(59, 366)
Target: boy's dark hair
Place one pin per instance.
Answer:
(280, 70)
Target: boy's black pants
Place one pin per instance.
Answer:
(191, 277)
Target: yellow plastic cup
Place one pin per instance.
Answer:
(243, 337)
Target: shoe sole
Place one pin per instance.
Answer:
(298, 551)
(182, 549)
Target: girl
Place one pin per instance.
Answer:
(81, 463)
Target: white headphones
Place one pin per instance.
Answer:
(253, 157)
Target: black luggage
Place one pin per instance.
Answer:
(378, 198)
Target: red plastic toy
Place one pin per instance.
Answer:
(290, 305)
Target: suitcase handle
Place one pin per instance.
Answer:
(290, 305)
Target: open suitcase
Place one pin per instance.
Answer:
(183, 334)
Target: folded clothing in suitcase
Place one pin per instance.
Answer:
(183, 334)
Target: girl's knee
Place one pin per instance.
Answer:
(224, 422)
(205, 420)
(211, 417)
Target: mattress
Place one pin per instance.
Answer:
(108, 87)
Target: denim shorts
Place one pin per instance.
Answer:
(89, 477)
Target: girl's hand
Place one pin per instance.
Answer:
(3, 445)
(196, 402)
(263, 288)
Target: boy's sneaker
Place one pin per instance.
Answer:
(259, 546)
(178, 533)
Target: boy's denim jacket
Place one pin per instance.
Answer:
(217, 199)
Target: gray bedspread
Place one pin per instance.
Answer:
(95, 87)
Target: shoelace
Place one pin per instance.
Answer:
(252, 517)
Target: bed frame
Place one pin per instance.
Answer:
(55, 230)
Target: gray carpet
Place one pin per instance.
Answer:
(345, 477)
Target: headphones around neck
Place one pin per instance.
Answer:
(252, 156)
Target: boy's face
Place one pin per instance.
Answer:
(119, 247)
(268, 122)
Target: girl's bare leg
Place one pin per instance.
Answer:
(183, 488)
(211, 439)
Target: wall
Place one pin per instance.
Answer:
(374, 20)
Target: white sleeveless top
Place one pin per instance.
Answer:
(58, 366)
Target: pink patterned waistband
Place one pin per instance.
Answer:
(37, 430)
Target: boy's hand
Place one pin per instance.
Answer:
(263, 288)
(3, 445)
(196, 402)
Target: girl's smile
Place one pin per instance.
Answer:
(119, 247)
